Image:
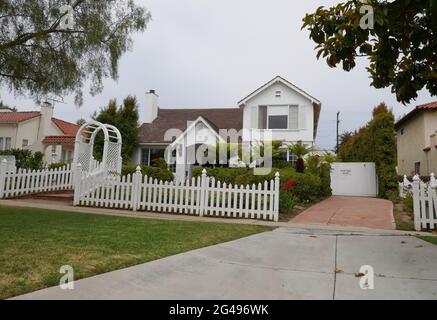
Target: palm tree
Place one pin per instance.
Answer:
(300, 149)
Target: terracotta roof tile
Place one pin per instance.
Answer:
(67, 128)
(70, 139)
(432, 106)
(428, 106)
(15, 117)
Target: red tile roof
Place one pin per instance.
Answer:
(70, 139)
(432, 106)
(15, 117)
(67, 128)
(428, 106)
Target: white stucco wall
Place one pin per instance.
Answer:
(288, 97)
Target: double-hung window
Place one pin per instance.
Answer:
(5, 143)
(280, 117)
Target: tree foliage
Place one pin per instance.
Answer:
(401, 47)
(376, 142)
(125, 118)
(39, 56)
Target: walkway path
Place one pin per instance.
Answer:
(287, 263)
(350, 211)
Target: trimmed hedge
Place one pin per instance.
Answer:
(25, 159)
(155, 172)
(305, 187)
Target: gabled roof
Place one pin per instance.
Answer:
(67, 128)
(284, 82)
(214, 130)
(432, 106)
(226, 118)
(16, 117)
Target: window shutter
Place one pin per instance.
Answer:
(262, 117)
(254, 118)
(293, 118)
(302, 118)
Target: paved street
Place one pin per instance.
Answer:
(287, 263)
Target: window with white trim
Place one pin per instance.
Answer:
(281, 117)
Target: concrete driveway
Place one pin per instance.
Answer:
(350, 211)
(286, 263)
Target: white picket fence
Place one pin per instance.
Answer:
(425, 204)
(21, 182)
(202, 196)
(404, 187)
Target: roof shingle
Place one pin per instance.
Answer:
(226, 118)
(15, 117)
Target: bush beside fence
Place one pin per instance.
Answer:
(202, 196)
(25, 181)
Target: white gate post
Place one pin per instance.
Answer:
(203, 192)
(276, 207)
(433, 181)
(416, 202)
(136, 189)
(3, 177)
(76, 183)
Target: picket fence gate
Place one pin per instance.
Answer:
(202, 196)
(425, 203)
(22, 181)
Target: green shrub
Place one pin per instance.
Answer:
(154, 172)
(308, 186)
(57, 165)
(408, 203)
(392, 195)
(376, 142)
(25, 159)
(160, 163)
(286, 202)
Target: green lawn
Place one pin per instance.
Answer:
(35, 243)
(429, 239)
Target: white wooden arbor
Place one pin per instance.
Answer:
(84, 146)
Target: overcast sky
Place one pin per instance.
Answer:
(201, 54)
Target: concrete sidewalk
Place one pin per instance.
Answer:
(287, 263)
(360, 212)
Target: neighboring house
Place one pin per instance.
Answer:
(38, 131)
(417, 141)
(288, 113)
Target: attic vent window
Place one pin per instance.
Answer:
(278, 94)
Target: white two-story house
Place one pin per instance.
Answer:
(278, 110)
